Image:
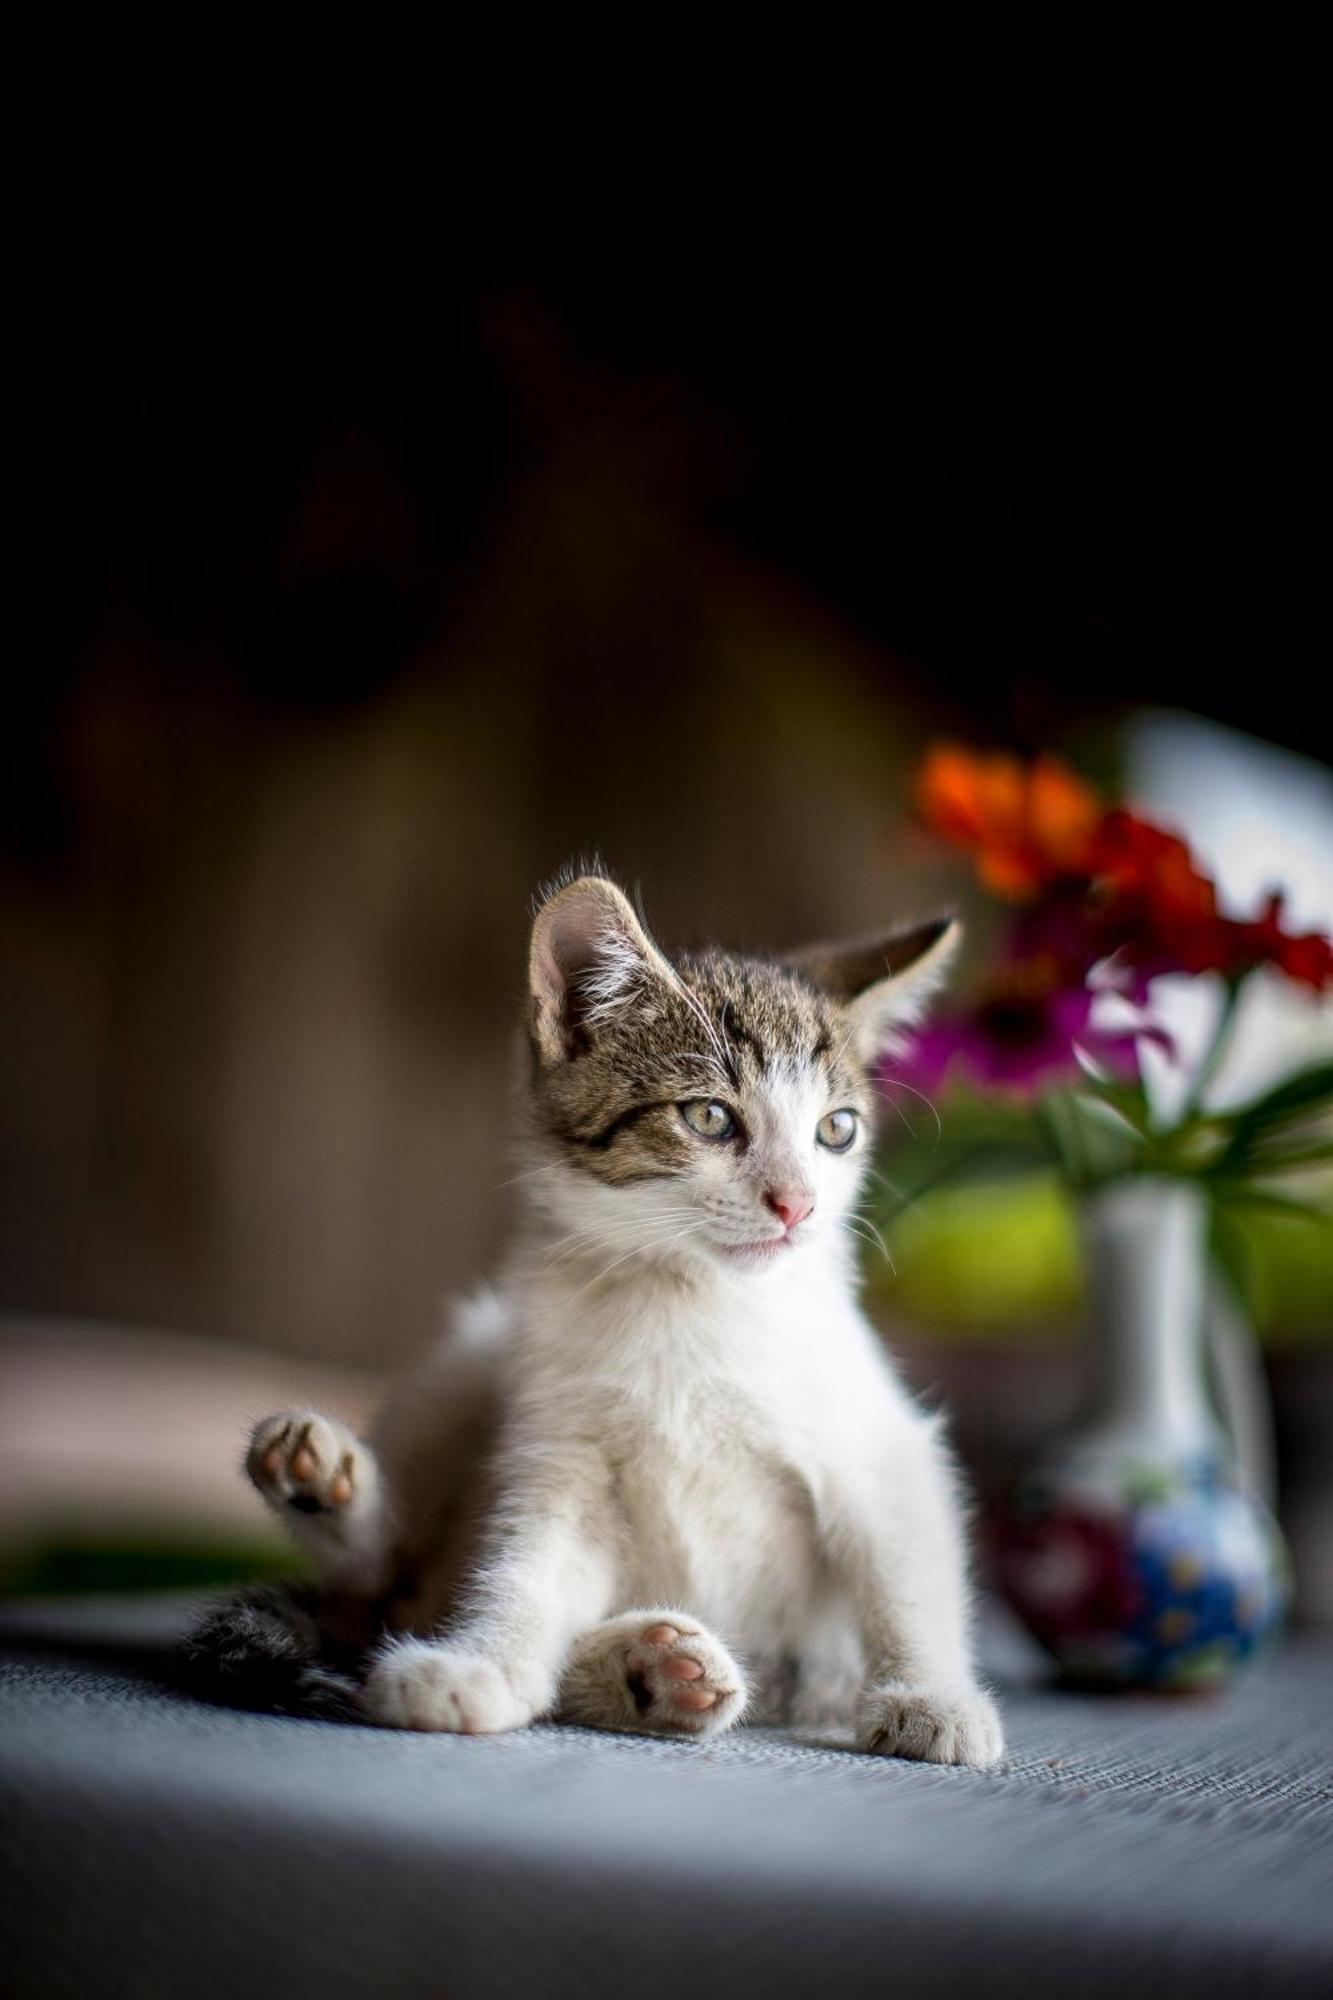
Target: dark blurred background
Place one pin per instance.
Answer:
(361, 608)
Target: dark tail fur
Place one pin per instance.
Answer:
(266, 1649)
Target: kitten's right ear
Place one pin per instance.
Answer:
(590, 957)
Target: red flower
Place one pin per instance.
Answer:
(1151, 901)
(1308, 958)
(1160, 910)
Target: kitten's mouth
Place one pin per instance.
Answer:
(771, 1246)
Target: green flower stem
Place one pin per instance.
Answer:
(1216, 1055)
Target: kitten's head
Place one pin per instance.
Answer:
(707, 1107)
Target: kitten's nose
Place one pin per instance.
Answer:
(791, 1204)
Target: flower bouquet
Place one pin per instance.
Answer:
(1132, 1548)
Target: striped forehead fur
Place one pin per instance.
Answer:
(725, 1026)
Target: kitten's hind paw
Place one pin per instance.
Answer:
(310, 1463)
(653, 1671)
(956, 1727)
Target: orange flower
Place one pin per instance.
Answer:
(1026, 825)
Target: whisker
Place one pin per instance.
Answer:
(636, 1250)
(896, 1083)
(857, 1226)
(529, 1173)
(843, 1045)
(591, 1245)
(893, 1186)
(626, 1227)
(878, 1237)
(629, 1230)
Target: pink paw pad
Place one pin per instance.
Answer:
(677, 1671)
(304, 1467)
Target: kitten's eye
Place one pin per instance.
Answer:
(837, 1130)
(708, 1118)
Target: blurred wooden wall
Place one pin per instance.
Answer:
(260, 1010)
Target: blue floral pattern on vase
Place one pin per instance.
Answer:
(1153, 1577)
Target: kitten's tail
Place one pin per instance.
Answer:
(264, 1649)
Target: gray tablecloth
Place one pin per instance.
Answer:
(156, 1846)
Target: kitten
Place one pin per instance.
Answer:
(664, 1475)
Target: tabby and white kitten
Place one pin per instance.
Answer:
(664, 1475)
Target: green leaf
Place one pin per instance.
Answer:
(1296, 1096)
(1257, 1128)
(1249, 1194)
(957, 1165)
(1129, 1100)
(1092, 1139)
(1280, 1159)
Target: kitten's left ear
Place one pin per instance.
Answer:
(884, 983)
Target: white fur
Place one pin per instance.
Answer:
(612, 977)
(681, 1427)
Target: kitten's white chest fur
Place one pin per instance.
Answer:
(724, 1406)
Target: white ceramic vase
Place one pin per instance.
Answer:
(1133, 1546)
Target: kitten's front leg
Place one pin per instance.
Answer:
(547, 1575)
(326, 1485)
(901, 1550)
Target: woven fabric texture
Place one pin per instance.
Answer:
(154, 1846)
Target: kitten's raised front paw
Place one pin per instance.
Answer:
(306, 1462)
(417, 1684)
(656, 1671)
(958, 1727)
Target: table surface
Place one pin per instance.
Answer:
(154, 1845)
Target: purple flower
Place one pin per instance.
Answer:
(1027, 1030)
